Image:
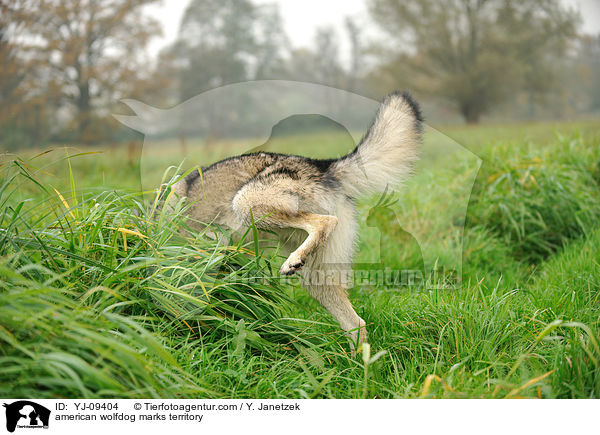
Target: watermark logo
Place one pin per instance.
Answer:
(25, 414)
(415, 234)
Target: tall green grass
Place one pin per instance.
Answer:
(91, 290)
(99, 301)
(535, 200)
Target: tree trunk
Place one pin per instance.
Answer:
(472, 118)
(470, 114)
(531, 106)
(83, 111)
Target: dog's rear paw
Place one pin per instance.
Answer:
(293, 264)
(357, 337)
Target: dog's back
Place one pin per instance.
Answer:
(212, 189)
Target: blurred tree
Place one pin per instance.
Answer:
(221, 42)
(18, 117)
(12, 71)
(88, 53)
(355, 68)
(327, 65)
(272, 43)
(11, 76)
(227, 41)
(476, 53)
(321, 63)
(587, 68)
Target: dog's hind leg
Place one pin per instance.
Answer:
(328, 275)
(277, 209)
(273, 208)
(334, 299)
(318, 227)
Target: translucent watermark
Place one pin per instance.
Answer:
(412, 237)
(365, 278)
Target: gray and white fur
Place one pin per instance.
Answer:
(310, 203)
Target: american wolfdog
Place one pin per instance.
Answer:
(310, 202)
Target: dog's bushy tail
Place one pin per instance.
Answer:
(387, 153)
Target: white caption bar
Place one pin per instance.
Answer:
(32, 416)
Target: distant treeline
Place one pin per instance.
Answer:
(64, 65)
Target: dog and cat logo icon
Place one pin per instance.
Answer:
(25, 414)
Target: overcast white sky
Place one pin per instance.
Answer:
(302, 17)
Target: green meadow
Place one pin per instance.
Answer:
(99, 298)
